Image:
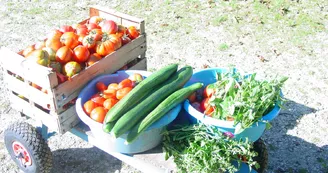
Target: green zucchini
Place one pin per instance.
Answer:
(165, 106)
(107, 127)
(137, 113)
(137, 93)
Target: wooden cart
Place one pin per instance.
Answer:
(55, 109)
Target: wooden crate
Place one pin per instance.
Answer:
(56, 108)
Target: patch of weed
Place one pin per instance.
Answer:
(223, 47)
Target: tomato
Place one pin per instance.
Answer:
(89, 106)
(66, 28)
(204, 104)
(95, 19)
(93, 59)
(82, 29)
(98, 100)
(28, 50)
(104, 48)
(209, 90)
(92, 26)
(124, 83)
(81, 54)
(113, 86)
(109, 93)
(40, 45)
(192, 97)
(95, 95)
(136, 77)
(51, 52)
(125, 40)
(89, 42)
(109, 103)
(54, 43)
(132, 32)
(121, 30)
(101, 86)
(64, 54)
(71, 68)
(122, 92)
(54, 34)
(39, 56)
(35, 86)
(109, 26)
(70, 39)
(98, 114)
(96, 34)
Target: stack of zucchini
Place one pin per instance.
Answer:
(150, 100)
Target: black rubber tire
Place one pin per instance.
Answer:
(35, 145)
(262, 157)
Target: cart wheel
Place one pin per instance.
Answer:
(262, 158)
(27, 148)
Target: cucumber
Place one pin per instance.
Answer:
(137, 93)
(107, 127)
(165, 106)
(137, 113)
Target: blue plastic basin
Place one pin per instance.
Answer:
(148, 140)
(253, 133)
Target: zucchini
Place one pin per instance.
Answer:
(165, 106)
(137, 93)
(137, 113)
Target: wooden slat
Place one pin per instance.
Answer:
(29, 71)
(111, 63)
(141, 65)
(23, 106)
(27, 91)
(71, 120)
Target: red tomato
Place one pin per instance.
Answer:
(89, 42)
(81, 54)
(54, 34)
(209, 90)
(54, 43)
(95, 19)
(109, 93)
(82, 29)
(113, 86)
(125, 40)
(109, 26)
(121, 30)
(64, 55)
(96, 34)
(132, 32)
(92, 26)
(92, 59)
(106, 47)
(122, 92)
(101, 86)
(89, 106)
(98, 114)
(109, 103)
(40, 45)
(70, 39)
(66, 28)
(196, 105)
(98, 100)
(205, 105)
(28, 50)
(125, 83)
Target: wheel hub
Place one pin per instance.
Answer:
(22, 154)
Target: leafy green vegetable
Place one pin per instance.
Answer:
(201, 148)
(244, 98)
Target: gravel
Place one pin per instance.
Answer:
(291, 37)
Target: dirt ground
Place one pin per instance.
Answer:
(269, 37)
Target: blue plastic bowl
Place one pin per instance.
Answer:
(253, 133)
(146, 141)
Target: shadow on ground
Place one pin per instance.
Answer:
(84, 160)
(289, 153)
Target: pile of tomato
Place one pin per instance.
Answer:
(69, 49)
(108, 95)
(200, 100)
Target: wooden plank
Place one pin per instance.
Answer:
(33, 72)
(98, 11)
(27, 91)
(141, 65)
(70, 122)
(35, 113)
(111, 63)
